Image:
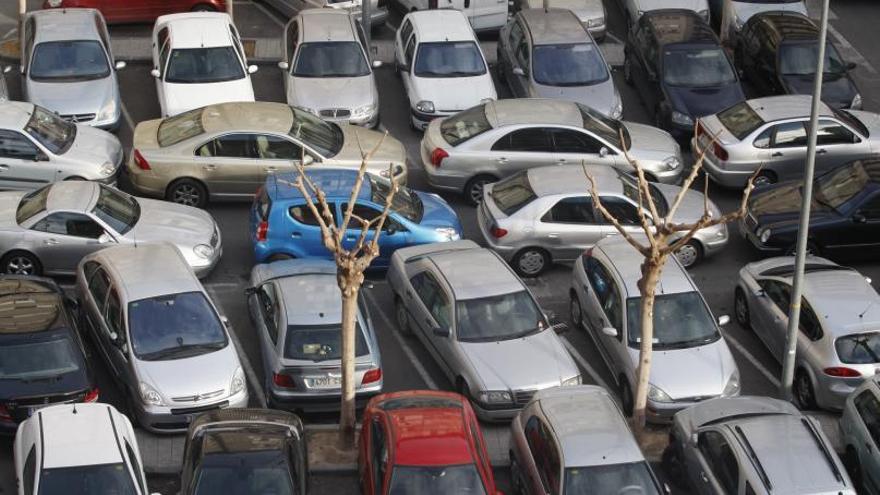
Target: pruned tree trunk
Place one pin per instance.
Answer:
(652, 267)
(349, 284)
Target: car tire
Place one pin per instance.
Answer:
(626, 397)
(20, 263)
(278, 257)
(627, 69)
(671, 464)
(690, 254)
(473, 190)
(401, 317)
(803, 392)
(188, 192)
(516, 483)
(765, 178)
(531, 262)
(741, 309)
(575, 313)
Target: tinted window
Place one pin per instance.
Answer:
(778, 293)
(292, 34)
(32, 204)
(464, 125)
(516, 34)
(808, 322)
(840, 185)
(320, 342)
(449, 59)
(230, 146)
(99, 285)
(569, 141)
(87, 480)
(606, 292)
(276, 148)
(369, 214)
(75, 60)
(502, 317)
(861, 348)
(41, 357)
(324, 137)
(30, 471)
(331, 59)
(203, 65)
(55, 134)
(433, 297)
(721, 460)
(535, 139)
(790, 134)
(135, 466)
(266, 298)
(625, 212)
(831, 132)
(544, 453)
(405, 201)
(869, 410)
(697, 67)
(740, 119)
(606, 128)
(74, 224)
(576, 64)
(303, 214)
(405, 31)
(117, 209)
(512, 194)
(800, 59)
(572, 210)
(255, 471)
(174, 326)
(16, 146)
(180, 127)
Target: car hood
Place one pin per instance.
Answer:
(536, 361)
(697, 102)
(650, 142)
(391, 150)
(691, 207)
(332, 92)
(602, 96)
(781, 204)
(204, 373)
(745, 10)
(73, 97)
(171, 222)
(437, 212)
(583, 9)
(701, 371)
(94, 147)
(649, 5)
(453, 94)
(182, 97)
(838, 91)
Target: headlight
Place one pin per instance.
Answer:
(363, 111)
(575, 380)
(857, 102)
(495, 397)
(149, 395)
(310, 110)
(672, 163)
(237, 384)
(203, 251)
(682, 119)
(738, 23)
(657, 395)
(108, 111)
(448, 233)
(425, 106)
(617, 109)
(107, 168)
(764, 235)
(732, 387)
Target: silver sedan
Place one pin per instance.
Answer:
(491, 141)
(837, 348)
(48, 231)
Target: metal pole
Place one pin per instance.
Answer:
(22, 10)
(803, 230)
(366, 23)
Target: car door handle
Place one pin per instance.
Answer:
(271, 170)
(704, 477)
(778, 153)
(209, 167)
(553, 235)
(502, 160)
(560, 160)
(50, 242)
(296, 234)
(821, 151)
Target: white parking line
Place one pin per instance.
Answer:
(423, 373)
(849, 52)
(752, 359)
(127, 116)
(267, 13)
(585, 365)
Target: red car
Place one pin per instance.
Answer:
(423, 442)
(139, 10)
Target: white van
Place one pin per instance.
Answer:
(484, 15)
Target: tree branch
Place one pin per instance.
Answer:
(644, 250)
(358, 183)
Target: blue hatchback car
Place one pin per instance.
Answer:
(282, 225)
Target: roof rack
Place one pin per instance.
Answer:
(753, 457)
(828, 457)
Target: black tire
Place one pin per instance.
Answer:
(202, 7)
(187, 192)
(803, 392)
(690, 254)
(473, 190)
(401, 316)
(575, 312)
(627, 69)
(671, 463)
(741, 309)
(279, 257)
(531, 262)
(21, 263)
(626, 397)
(516, 485)
(851, 461)
(765, 178)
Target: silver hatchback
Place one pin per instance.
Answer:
(296, 309)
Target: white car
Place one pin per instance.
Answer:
(198, 60)
(860, 429)
(484, 15)
(442, 66)
(735, 13)
(633, 9)
(78, 449)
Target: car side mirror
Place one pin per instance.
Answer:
(252, 69)
(603, 151)
(518, 71)
(40, 156)
(440, 332)
(283, 65)
(104, 238)
(851, 65)
(610, 331)
(308, 160)
(155, 73)
(120, 64)
(391, 228)
(249, 291)
(377, 64)
(225, 321)
(859, 218)
(723, 320)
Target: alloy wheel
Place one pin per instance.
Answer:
(186, 194)
(741, 309)
(574, 312)
(531, 262)
(688, 255)
(20, 265)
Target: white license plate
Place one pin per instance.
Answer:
(326, 382)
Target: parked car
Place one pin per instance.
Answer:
(43, 356)
(198, 60)
(575, 440)
(78, 449)
(441, 64)
(591, 13)
(835, 349)
(290, 8)
(154, 324)
(124, 11)
(422, 441)
(282, 226)
(327, 68)
(634, 9)
(545, 215)
(844, 215)
(38, 147)
(731, 16)
(48, 231)
(680, 69)
(227, 151)
(481, 325)
(245, 451)
(771, 133)
(294, 306)
(765, 445)
(483, 144)
(691, 361)
(550, 54)
(483, 15)
(778, 50)
(67, 66)
(860, 429)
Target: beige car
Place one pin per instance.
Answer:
(226, 151)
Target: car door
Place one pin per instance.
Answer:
(788, 150)
(229, 165)
(509, 40)
(604, 310)
(264, 307)
(544, 463)
(861, 230)
(572, 146)
(771, 315)
(867, 426)
(521, 149)
(569, 227)
(394, 234)
(62, 238)
(431, 308)
(118, 348)
(23, 166)
(644, 67)
(836, 144)
(406, 64)
(716, 469)
(277, 154)
(95, 300)
(304, 231)
(520, 81)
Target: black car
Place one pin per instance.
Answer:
(42, 356)
(777, 53)
(844, 216)
(245, 451)
(680, 69)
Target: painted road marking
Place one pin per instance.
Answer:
(585, 365)
(752, 359)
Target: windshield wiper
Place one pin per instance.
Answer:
(863, 342)
(182, 349)
(683, 344)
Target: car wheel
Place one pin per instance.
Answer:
(473, 190)
(765, 178)
(531, 262)
(21, 263)
(574, 312)
(671, 464)
(626, 397)
(804, 394)
(851, 461)
(690, 254)
(515, 475)
(203, 8)
(627, 70)
(187, 192)
(279, 257)
(401, 316)
(741, 309)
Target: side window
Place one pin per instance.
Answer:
(101, 28)
(268, 306)
(569, 141)
(534, 139)
(778, 293)
(89, 269)
(15, 145)
(809, 323)
(410, 50)
(552, 466)
(571, 210)
(624, 211)
(515, 35)
(763, 139)
(99, 285)
(292, 34)
(113, 315)
(870, 209)
(73, 224)
(434, 298)
(380, 454)
(29, 471)
(29, 28)
(162, 36)
(749, 489)
(868, 408)
(831, 132)
(231, 146)
(369, 213)
(606, 292)
(135, 466)
(277, 148)
(303, 214)
(537, 448)
(720, 459)
(405, 31)
(790, 135)
(523, 56)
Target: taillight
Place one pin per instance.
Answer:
(497, 232)
(841, 372)
(140, 161)
(4, 414)
(92, 395)
(437, 156)
(262, 231)
(283, 381)
(719, 151)
(374, 375)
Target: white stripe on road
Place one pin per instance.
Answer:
(849, 52)
(585, 365)
(267, 13)
(752, 359)
(126, 115)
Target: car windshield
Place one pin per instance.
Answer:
(631, 191)
(261, 471)
(740, 119)
(862, 348)
(697, 67)
(331, 59)
(405, 201)
(87, 480)
(53, 132)
(76, 60)
(203, 65)
(174, 326)
(36, 356)
(512, 194)
(464, 125)
(681, 320)
(449, 59)
(324, 137)
(440, 480)
(180, 127)
(840, 185)
(118, 210)
(573, 64)
(608, 478)
(502, 317)
(320, 342)
(799, 59)
(31, 204)
(607, 128)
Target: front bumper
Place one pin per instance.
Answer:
(203, 270)
(165, 419)
(495, 415)
(420, 120)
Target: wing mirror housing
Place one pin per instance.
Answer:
(610, 331)
(723, 320)
(402, 67)
(105, 238)
(155, 73)
(225, 321)
(377, 64)
(858, 217)
(518, 71)
(283, 65)
(604, 151)
(252, 68)
(440, 332)
(851, 65)
(249, 291)
(308, 160)
(120, 64)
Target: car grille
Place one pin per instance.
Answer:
(751, 222)
(522, 397)
(200, 409)
(79, 117)
(335, 112)
(198, 397)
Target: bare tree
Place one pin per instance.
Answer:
(351, 262)
(664, 236)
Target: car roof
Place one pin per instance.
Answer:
(64, 24)
(15, 114)
(679, 26)
(627, 262)
(440, 25)
(148, 270)
(30, 304)
(533, 111)
(429, 436)
(326, 25)
(772, 108)
(264, 116)
(79, 435)
(475, 273)
(334, 182)
(783, 25)
(311, 299)
(554, 26)
(197, 29)
(74, 195)
(569, 179)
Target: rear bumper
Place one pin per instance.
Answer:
(325, 402)
(723, 177)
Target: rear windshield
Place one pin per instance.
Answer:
(180, 127)
(740, 119)
(204, 65)
(513, 193)
(465, 125)
(87, 480)
(320, 342)
(863, 348)
(41, 357)
(31, 204)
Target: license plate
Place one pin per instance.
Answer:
(326, 382)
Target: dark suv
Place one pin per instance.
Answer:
(679, 68)
(777, 54)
